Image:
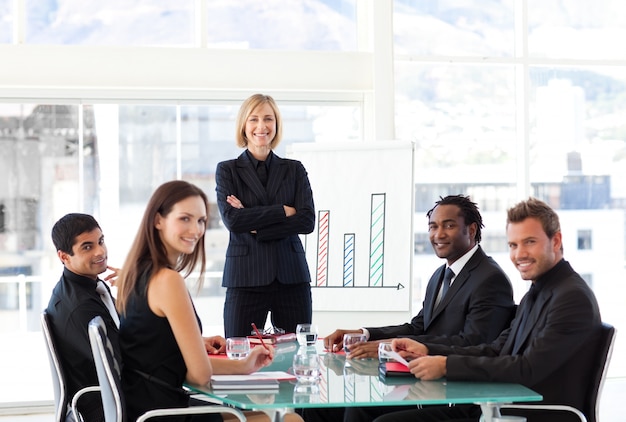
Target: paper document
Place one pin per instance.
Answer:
(257, 380)
(255, 376)
(397, 357)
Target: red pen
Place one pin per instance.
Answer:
(258, 334)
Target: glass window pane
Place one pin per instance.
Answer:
(6, 21)
(279, 25)
(584, 239)
(578, 164)
(147, 150)
(576, 29)
(39, 155)
(146, 23)
(462, 119)
(469, 28)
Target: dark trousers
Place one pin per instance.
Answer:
(290, 305)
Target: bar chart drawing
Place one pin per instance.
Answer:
(376, 247)
(377, 239)
(323, 220)
(348, 259)
(369, 245)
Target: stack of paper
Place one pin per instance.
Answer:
(255, 381)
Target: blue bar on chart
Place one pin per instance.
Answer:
(323, 220)
(377, 239)
(348, 259)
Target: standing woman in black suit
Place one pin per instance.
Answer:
(265, 202)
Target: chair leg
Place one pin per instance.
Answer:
(571, 409)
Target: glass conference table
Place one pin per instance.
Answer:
(346, 383)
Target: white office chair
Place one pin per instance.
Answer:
(590, 411)
(108, 370)
(61, 400)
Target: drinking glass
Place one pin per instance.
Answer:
(306, 334)
(237, 347)
(384, 347)
(306, 367)
(351, 339)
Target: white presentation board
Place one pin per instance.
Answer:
(360, 253)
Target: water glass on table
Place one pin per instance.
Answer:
(350, 339)
(306, 334)
(306, 367)
(384, 347)
(237, 347)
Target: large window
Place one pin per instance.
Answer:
(498, 122)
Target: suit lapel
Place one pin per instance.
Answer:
(276, 176)
(431, 295)
(459, 281)
(533, 317)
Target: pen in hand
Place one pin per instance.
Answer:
(258, 334)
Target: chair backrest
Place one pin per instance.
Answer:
(58, 376)
(603, 353)
(109, 371)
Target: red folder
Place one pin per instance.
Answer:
(394, 369)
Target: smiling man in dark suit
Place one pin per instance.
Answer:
(78, 297)
(550, 344)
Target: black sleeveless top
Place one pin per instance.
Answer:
(153, 367)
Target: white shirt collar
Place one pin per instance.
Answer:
(458, 265)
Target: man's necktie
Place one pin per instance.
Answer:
(528, 305)
(445, 285)
(447, 278)
(261, 171)
(108, 301)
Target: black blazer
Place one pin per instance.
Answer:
(73, 303)
(556, 355)
(275, 252)
(478, 306)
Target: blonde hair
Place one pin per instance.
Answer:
(246, 109)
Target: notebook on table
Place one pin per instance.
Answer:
(242, 382)
(257, 380)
